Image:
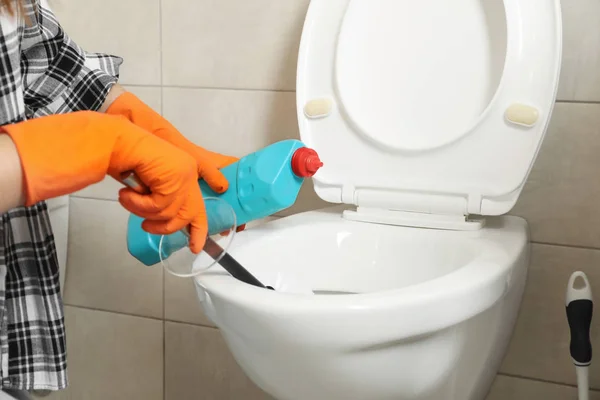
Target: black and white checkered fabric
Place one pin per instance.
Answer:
(42, 72)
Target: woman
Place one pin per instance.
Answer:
(66, 124)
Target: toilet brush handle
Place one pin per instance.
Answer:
(579, 314)
(583, 391)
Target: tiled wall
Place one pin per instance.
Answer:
(224, 73)
(562, 204)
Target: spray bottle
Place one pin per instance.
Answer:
(260, 184)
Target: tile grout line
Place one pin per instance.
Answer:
(208, 88)
(539, 380)
(568, 246)
(111, 311)
(162, 113)
(191, 324)
(248, 89)
(78, 196)
(578, 101)
(138, 316)
(164, 360)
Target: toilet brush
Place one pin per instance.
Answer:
(579, 314)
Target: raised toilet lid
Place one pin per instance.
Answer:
(430, 106)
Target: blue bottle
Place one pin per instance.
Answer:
(260, 184)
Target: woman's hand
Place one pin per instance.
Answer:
(136, 111)
(61, 154)
(120, 102)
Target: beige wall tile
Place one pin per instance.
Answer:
(112, 356)
(560, 200)
(151, 95)
(181, 298)
(182, 303)
(101, 274)
(232, 44)
(235, 122)
(198, 365)
(109, 188)
(508, 388)
(581, 51)
(540, 345)
(128, 29)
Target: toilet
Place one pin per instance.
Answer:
(428, 116)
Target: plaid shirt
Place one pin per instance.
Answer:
(42, 72)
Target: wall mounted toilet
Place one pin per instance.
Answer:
(428, 116)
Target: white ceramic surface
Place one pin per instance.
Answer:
(431, 319)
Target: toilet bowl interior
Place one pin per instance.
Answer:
(336, 256)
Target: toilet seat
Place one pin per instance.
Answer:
(348, 95)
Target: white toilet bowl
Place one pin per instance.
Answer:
(424, 114)
(431, 320)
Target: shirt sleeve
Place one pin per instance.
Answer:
(58, 75)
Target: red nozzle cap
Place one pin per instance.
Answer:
(305, 162)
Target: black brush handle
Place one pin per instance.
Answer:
(579, 315)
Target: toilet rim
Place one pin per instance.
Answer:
(447, 299)
(481, 272)
(420, 309)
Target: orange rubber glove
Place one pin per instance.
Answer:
(61, 154)
(136, 111)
